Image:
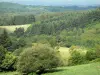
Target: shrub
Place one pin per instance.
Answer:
(19, 31)
(37, 59)
(17, 52)
(76, 58)
(2, 54)
(8, 62)
(91, 55)
(96, 60)
(98, 51)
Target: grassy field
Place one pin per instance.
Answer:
(12, 28)
(86, 69)
(64, 52)
(9, 73)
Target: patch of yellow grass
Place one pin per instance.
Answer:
(64, 52)
(12, 28)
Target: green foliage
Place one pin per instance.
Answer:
(5, 40)
(19, 32)
(8, 62)
(2, 54)
(37, 59)
(21, 43)
(98, 51)
(18, 43)
(91, 55)
(17, 52)
(76, 58)
(15, 19)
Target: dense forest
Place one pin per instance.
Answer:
(9, 12)
(51, 27)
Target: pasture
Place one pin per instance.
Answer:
(64, 53)
(11, 29)
(85, 69)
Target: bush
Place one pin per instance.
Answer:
(8, 62)
(98, 51)
(37, 59)
(2, 54)
(19, 32)
(17, 52)
(96, 60)
(76, 58)
(91, 55)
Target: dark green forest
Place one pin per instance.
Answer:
(51, 27)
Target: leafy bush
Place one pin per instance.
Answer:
(8, 62)
(91, 55)
(96, 60)
(19, 32)
(76, 58)
(17, 52)
(37, 59)
(5, 41)
(2, 54)
(98, 51)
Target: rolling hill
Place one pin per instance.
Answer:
(7, 7)
(87, 69)
(11, 29)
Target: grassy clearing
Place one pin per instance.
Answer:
(64, 52)
(12, 28)
(87, 69)
(9, 73)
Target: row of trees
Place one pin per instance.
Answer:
(67, 21)
(12, 43)
(16, 19)
(79, 56)
(68, 27)
(37, 59)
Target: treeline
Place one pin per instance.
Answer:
(7, 7)
(67, 29)
(16, 19)
(53, 23)
(66, 8)
(39, 44)
(67, 21)
(88, 18)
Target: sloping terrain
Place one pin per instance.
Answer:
(86, 69)
(11, 29)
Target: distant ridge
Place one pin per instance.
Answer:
(15, 7)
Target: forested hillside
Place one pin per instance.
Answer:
(6, 7)
(17, 14)
(55, 36)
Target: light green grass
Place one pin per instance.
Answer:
(11, 29)
(87, 69)
(9, 73)
(64, 53)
